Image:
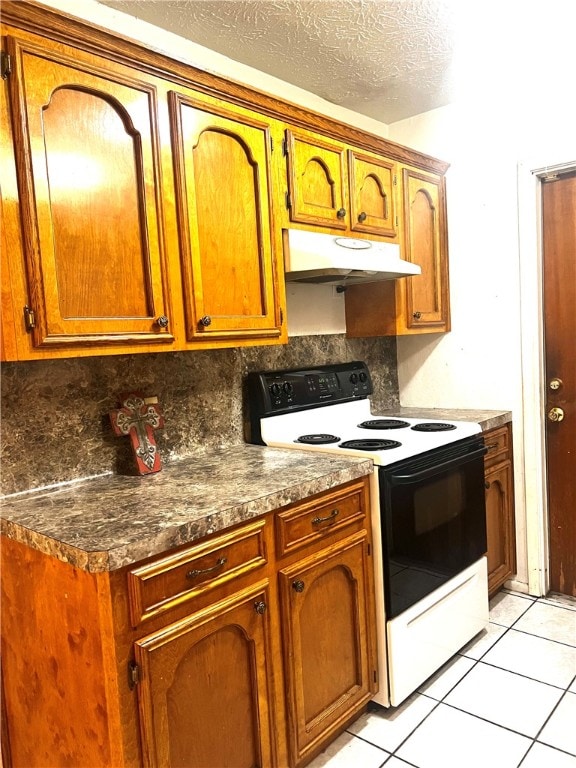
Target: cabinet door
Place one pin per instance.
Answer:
(222, 160)
(328, 642)
(500, 528)
(427, 295)
(204, 696)
(316, 181)
(372, 205)
(87, 165)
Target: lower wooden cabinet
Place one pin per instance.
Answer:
(254, 647)
(500, 524)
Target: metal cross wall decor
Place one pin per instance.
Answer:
(138, 417)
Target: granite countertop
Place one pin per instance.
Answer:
(111, 521)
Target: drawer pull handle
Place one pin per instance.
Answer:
(260, 607)
(298, 586)
(200, 572)
(491, 445)
(331, 516)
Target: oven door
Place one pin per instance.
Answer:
(433, 520)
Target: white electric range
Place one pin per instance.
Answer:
(428, 513)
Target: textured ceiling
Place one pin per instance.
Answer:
(388, 59)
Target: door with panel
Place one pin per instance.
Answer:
(559, 245)
(426, 295)
(204, 695)
(373, 182)
(327, 640)
(231, 273)
(87, 155)
(317, 180)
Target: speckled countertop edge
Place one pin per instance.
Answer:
(106, 523)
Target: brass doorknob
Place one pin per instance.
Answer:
(555, 414)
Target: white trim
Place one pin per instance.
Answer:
(530, 176)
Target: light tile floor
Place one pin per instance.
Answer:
(508, 699)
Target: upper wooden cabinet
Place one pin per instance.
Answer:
(372, 200)
(426, 303)
(88, 179)
(417, 304)
(223, 194)
(337, 188)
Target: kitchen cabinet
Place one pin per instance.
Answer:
(205, 655)
(87, 166)
(223, 192)
(339, 188)
(500, 522)
(417, 304)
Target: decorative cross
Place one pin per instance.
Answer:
(138, 417)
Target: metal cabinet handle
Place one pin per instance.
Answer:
(362, 217)
(417, 315)
(162, 321)
(201, 572)
(330, 517)
(260, 607)
(341, 213)
(491, 445)
(298, 586)
(205, 321)
(486, 484)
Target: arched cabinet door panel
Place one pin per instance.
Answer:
(427, 295)
(372, 194)
(327, 642)
(316, 181)
(222, 171)
(87, 166)
(203, 696)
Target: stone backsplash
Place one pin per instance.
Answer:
(55, 423)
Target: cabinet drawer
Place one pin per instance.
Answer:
(498, 443)
(169, 581)
(320, 517)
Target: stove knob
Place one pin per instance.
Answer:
(287, 387)
(275, 390)
(362, 376)
(353, 378)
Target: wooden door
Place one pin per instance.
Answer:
(372, 204)
(427, 296)
(204, 693)
(559, 240)
(316, 181)
(327, 637)
(231, 288)
(87, 166)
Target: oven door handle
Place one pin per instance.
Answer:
(435, 469)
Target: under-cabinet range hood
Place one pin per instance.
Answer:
(314, 257)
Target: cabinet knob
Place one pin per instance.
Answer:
(361, 217)
(260, 607)
(298, 586)
(341, 213)
(417, 315)
(162, 321)
(486, 484)
(205, 321)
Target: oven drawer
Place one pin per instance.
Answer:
(321, 517)
(170, 581)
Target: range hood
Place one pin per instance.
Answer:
(314, 257)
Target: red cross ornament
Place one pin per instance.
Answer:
(138, 417)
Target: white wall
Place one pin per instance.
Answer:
(487, 135)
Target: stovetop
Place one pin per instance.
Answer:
(327, 409)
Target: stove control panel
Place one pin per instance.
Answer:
(274, 392)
